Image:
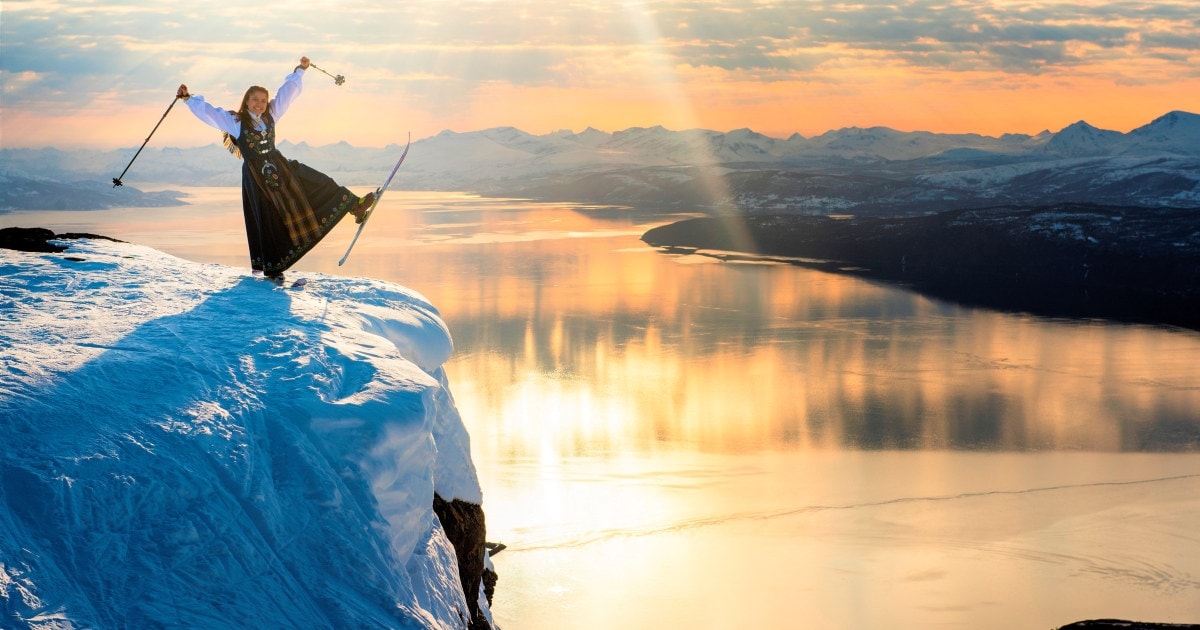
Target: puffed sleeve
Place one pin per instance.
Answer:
(287, 93)
(213, 116)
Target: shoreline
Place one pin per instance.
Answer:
(1068, 260)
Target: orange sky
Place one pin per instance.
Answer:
(77, 74)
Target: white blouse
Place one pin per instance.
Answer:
(228, 122)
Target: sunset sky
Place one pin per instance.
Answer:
(100, 74)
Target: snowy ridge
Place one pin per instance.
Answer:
(187, 446)
(869, 169)
(1081, 177)
(1082, 140)
(450, 159)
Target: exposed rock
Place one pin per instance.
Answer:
(1118, 624)
(28, 240)
(38, 239)
(465, 527)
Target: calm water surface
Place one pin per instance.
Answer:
(675, 442)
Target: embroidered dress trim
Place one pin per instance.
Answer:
(289, 207)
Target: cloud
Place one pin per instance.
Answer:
(989, 35)
(73, 56)
(532, 42)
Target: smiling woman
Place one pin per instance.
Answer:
(289, 207)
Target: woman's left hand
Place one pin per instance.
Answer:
(304, 62)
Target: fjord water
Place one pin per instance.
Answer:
(669, 441)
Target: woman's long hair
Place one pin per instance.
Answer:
(243, 116)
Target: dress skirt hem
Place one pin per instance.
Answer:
(289, 207)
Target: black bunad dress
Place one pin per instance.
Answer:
(288, 206)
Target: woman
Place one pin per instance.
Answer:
(289, 207)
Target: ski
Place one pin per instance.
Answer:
(378, 194)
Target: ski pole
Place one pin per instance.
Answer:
(339, 79)
(117, 180)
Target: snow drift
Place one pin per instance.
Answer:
(184, 445)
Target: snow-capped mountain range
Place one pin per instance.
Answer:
(874, 168)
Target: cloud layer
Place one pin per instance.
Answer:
(466, 65)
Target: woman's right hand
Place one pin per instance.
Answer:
(183, 92)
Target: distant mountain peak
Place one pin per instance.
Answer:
(505, 132)
(746, 133)
(1172, 120)
(1177, 115)
(638, 130)
(1081, 139)
(1175, 132)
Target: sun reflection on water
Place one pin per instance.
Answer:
(626, 348)
(678, 442)
(599, 343)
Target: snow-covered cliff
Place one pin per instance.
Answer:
(182, 445)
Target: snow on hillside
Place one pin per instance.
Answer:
(1177, 132)
(450, 159)
(881, 143)
(1127, 177)
(567, 166)
(1082, 140)
(187, 446)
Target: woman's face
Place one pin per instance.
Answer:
(257, 103)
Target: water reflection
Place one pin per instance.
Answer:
(573, 345)
(679, 435)
(573, 338)
(782, 379)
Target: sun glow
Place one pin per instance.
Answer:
(75, 75)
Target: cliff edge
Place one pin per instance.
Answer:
(183, 445)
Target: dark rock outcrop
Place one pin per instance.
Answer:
(466, 529)
(38, 239)
(1119, 624)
